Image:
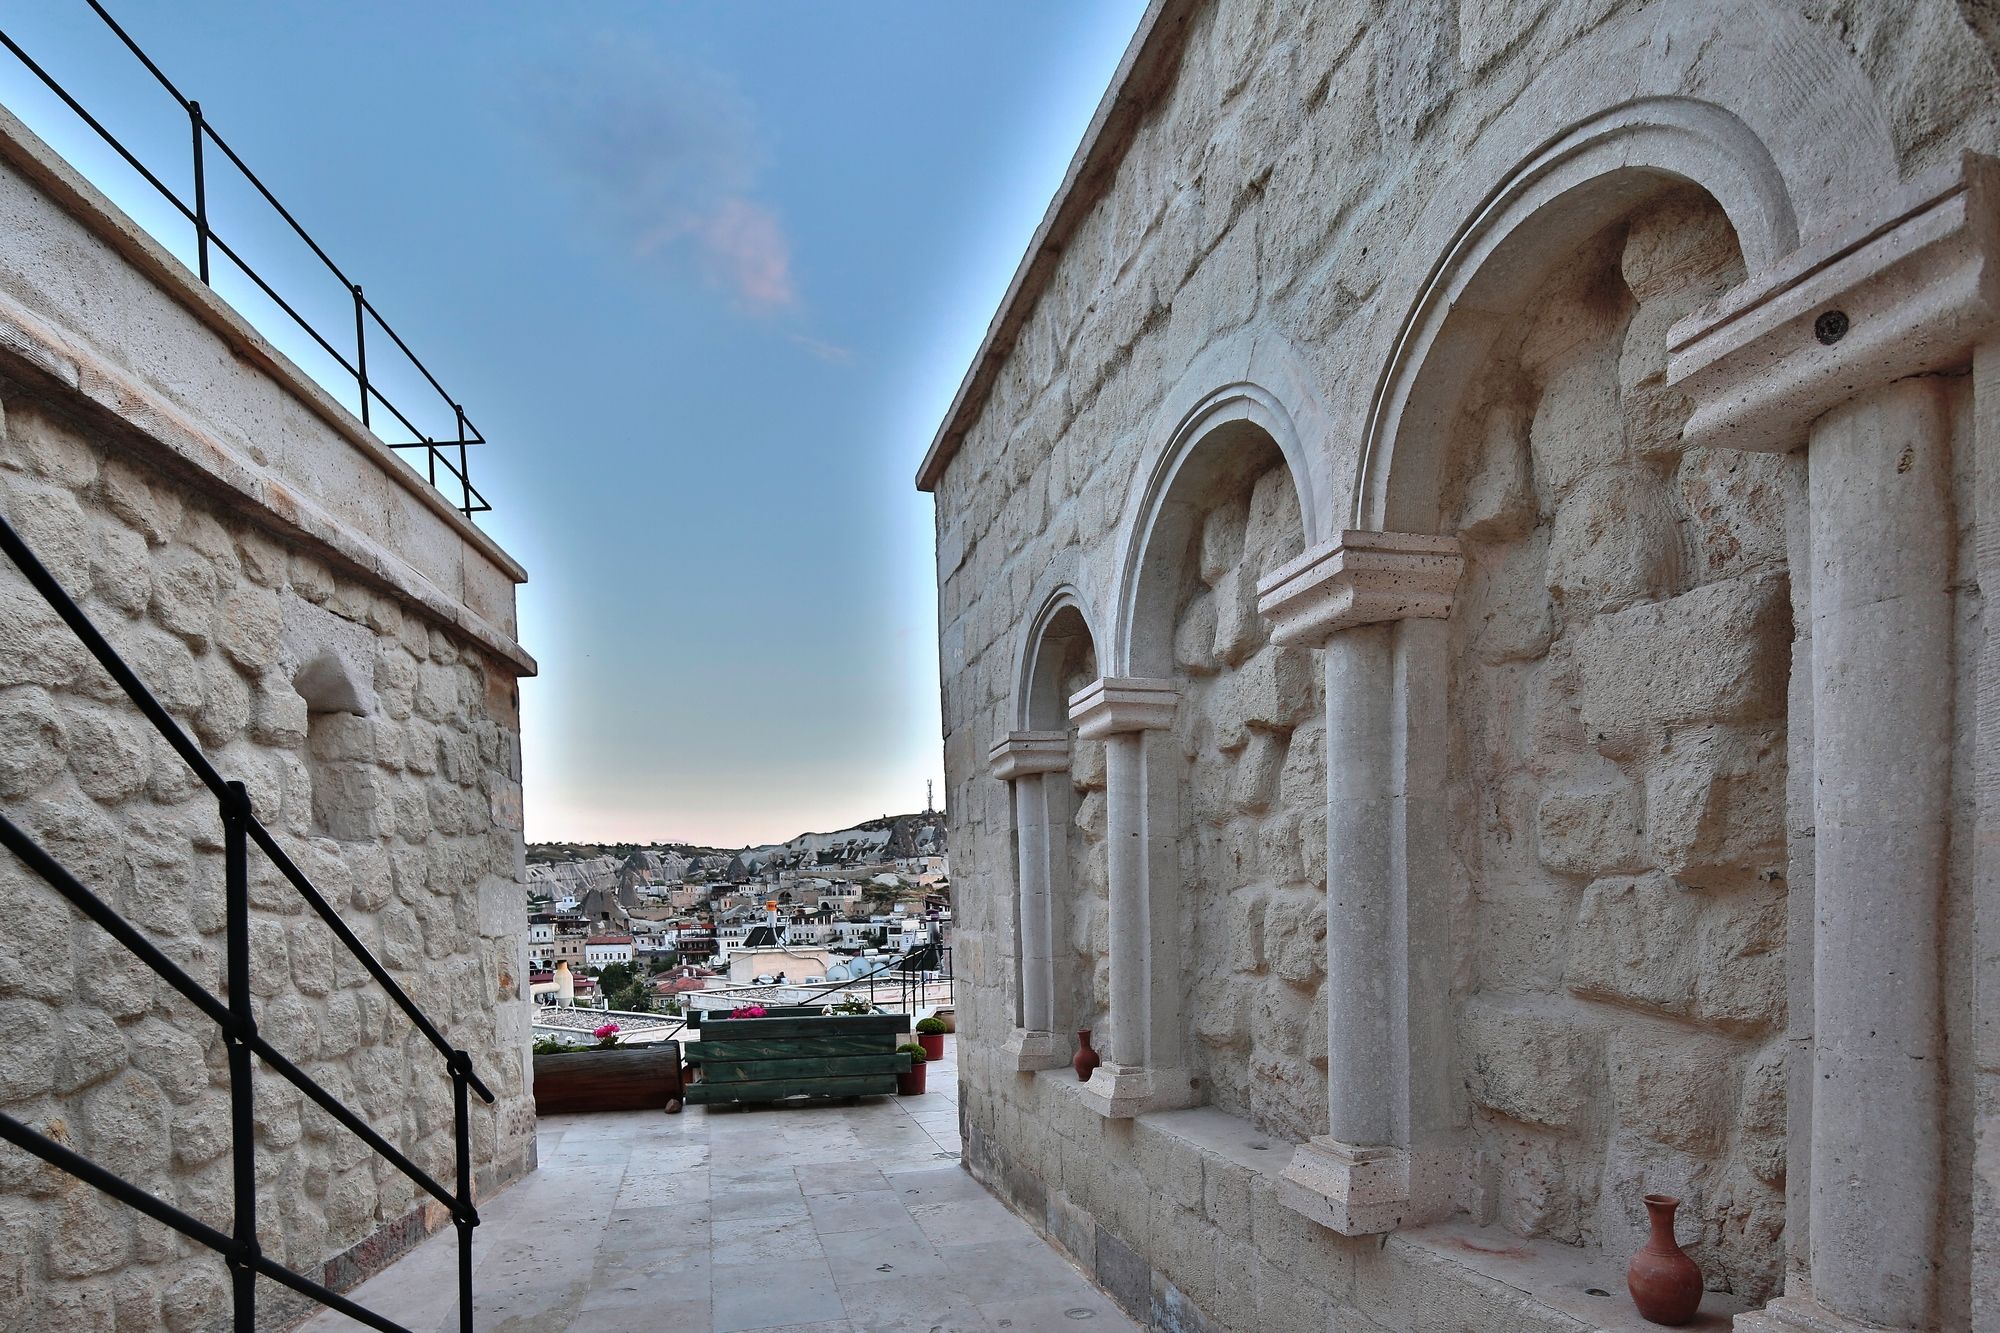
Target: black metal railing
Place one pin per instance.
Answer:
(909, 976)
(439, 451)
(241, 829)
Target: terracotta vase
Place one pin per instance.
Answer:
(1086, 1057)
(1665, 1283)
(933, 1044)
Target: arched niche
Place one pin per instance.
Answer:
(1523, 411)
(1060, 930)
(1227, 816)
(1227, 435)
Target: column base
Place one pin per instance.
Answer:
(1120, 1092)
(1027, 1050)
(1363, 1189)
(1800, 1314)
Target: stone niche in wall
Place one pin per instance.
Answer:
(1619, 658)
(1252, 810)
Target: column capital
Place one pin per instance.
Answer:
(1019, 753)
(1112, 705)
(1359, 578)
(1906, 290)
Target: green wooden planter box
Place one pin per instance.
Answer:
(795, 1052)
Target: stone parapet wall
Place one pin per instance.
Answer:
(349, 659)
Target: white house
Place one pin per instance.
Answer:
(604, 950)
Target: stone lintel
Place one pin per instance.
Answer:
(1020, 753)
(1026, 1051)
(1116, 704)
(1359, 578)
(1367, 1189)
(1907, 291)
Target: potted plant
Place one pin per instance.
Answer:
(910, 1083)
(930, 1036)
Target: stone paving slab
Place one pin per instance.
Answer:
(843, 1218)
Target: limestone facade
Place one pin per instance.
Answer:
(334, 636)
(1461, 598)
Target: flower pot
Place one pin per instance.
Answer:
(1665, 1283)
(1086, 1057)
(933, 1044)
(910, 1083)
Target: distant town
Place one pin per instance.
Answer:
(639, 933)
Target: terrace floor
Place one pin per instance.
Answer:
(829, 1218)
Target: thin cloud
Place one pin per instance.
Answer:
(664, 158)
(825, 351)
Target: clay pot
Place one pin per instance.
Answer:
(933, 1044)
(1086, 1057)
(1664, 1282)
(910, 1083)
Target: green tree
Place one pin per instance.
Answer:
(636, 998)
(615, 977)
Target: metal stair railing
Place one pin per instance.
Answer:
(241, 829)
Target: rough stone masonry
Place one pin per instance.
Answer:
(335, 637)
(1461, 576)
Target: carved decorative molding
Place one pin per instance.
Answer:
(1116, 704)
(1906, 292)
(1019, 753)
(1360, 578)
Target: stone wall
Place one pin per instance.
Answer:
(1629, 675)
(373, 714)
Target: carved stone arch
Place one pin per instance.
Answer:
(1182, 444)
(1671, 95)
(1037, 703)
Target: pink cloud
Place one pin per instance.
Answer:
(665, 158)
(747, 246)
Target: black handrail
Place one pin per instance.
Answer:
(906, 987)
(201, 133)
(234, 1016)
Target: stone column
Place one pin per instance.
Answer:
(1839, 347)
(1882, 704)
(1346, 597)
(1035, 762)
(1139, 866)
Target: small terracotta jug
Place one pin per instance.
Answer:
(1665, 1283)
(1086, 1057)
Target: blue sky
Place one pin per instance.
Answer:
(707, 275)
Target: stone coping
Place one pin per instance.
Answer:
(42, 349)
(24, 150)
(74, 366)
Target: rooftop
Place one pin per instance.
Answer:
(824, 1217)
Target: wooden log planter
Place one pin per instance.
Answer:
(795, 1052)
(620, 1078)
